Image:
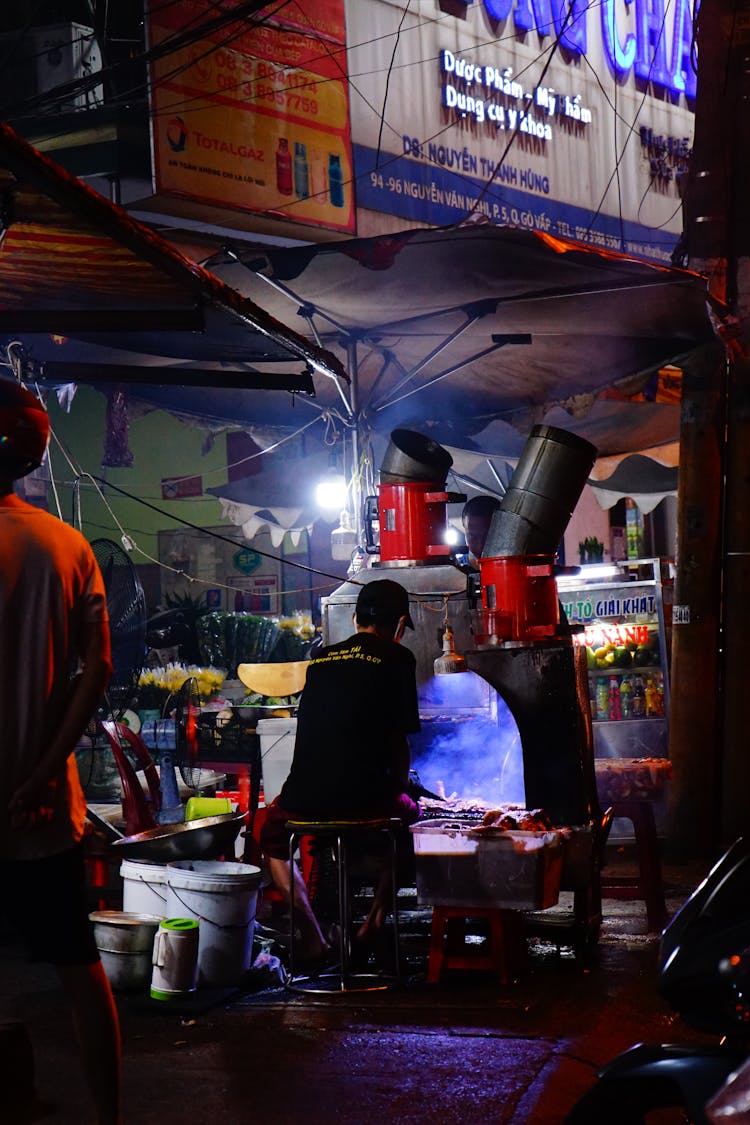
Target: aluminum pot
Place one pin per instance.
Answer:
(125, 941)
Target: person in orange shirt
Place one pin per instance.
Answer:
(54, 666)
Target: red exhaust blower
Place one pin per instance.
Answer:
(410, 505)
(519, 600)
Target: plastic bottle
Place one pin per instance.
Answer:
(335, 180)
(652, 709)
(660, 698)
(626, 698)
(615, 702)
(301, 171)
(283, 168)
(602, 699)
(639, 698)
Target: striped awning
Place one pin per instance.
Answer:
(94, 296)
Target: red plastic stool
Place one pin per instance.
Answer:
(448, 948)
(647, 885)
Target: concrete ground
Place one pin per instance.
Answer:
(467, 1050)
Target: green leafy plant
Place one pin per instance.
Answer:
(590, 550)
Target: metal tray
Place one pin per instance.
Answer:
(205, 838)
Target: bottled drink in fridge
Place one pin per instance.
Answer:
(602, 699)
(639, 698)
(615, 702)
(626, 697)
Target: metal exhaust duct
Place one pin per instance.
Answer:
(543, 491)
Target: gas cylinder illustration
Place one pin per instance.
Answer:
(283, 168)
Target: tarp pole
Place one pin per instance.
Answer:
(357, 497)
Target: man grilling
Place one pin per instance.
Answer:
(351, 753)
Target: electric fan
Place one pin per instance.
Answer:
(126, 607)
(187, 714)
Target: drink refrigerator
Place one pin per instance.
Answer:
(625, 612)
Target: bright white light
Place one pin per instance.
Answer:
(330, 493)
(588, 570)
(452, 535)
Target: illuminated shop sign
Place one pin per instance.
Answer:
(589, 609)
(642, 50)
(484, 92)
(493, 123)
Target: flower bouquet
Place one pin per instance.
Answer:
(156, 686)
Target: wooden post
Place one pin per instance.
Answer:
(708, 723)
(735, 764)
(695, 737)
(694, 726)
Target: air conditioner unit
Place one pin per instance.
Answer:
(43, 58)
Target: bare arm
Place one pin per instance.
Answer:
(85, 692)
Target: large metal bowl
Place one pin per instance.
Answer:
(206, 838)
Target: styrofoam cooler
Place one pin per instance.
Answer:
(276, 750)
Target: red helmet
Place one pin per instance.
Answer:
(24, 429)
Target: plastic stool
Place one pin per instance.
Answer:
(340, 834)
(448, 948)
(648, 884)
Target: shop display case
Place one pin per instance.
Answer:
(624, 610)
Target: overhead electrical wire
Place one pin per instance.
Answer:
(631, 129)
(331, 52)
(131, 545)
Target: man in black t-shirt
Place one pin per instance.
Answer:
(351, 753)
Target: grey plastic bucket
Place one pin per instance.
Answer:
(411, 456)
(541, 495)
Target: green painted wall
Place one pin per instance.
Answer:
(162, 446)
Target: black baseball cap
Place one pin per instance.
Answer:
(383, 602)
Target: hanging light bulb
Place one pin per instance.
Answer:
(343, 538)
(330, 493)
(449, 660)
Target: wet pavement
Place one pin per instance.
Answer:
(467, 1050)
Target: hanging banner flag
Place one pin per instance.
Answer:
(254, 115)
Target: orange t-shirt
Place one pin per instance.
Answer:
(50, 589)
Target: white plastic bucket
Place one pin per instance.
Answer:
(276, 750)
(144, 887)
(175, 960)
(125, 941)
(222, 897)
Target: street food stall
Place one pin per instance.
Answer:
(522, 662)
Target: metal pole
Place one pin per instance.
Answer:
(357, 497)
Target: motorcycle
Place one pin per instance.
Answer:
(704, 972)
